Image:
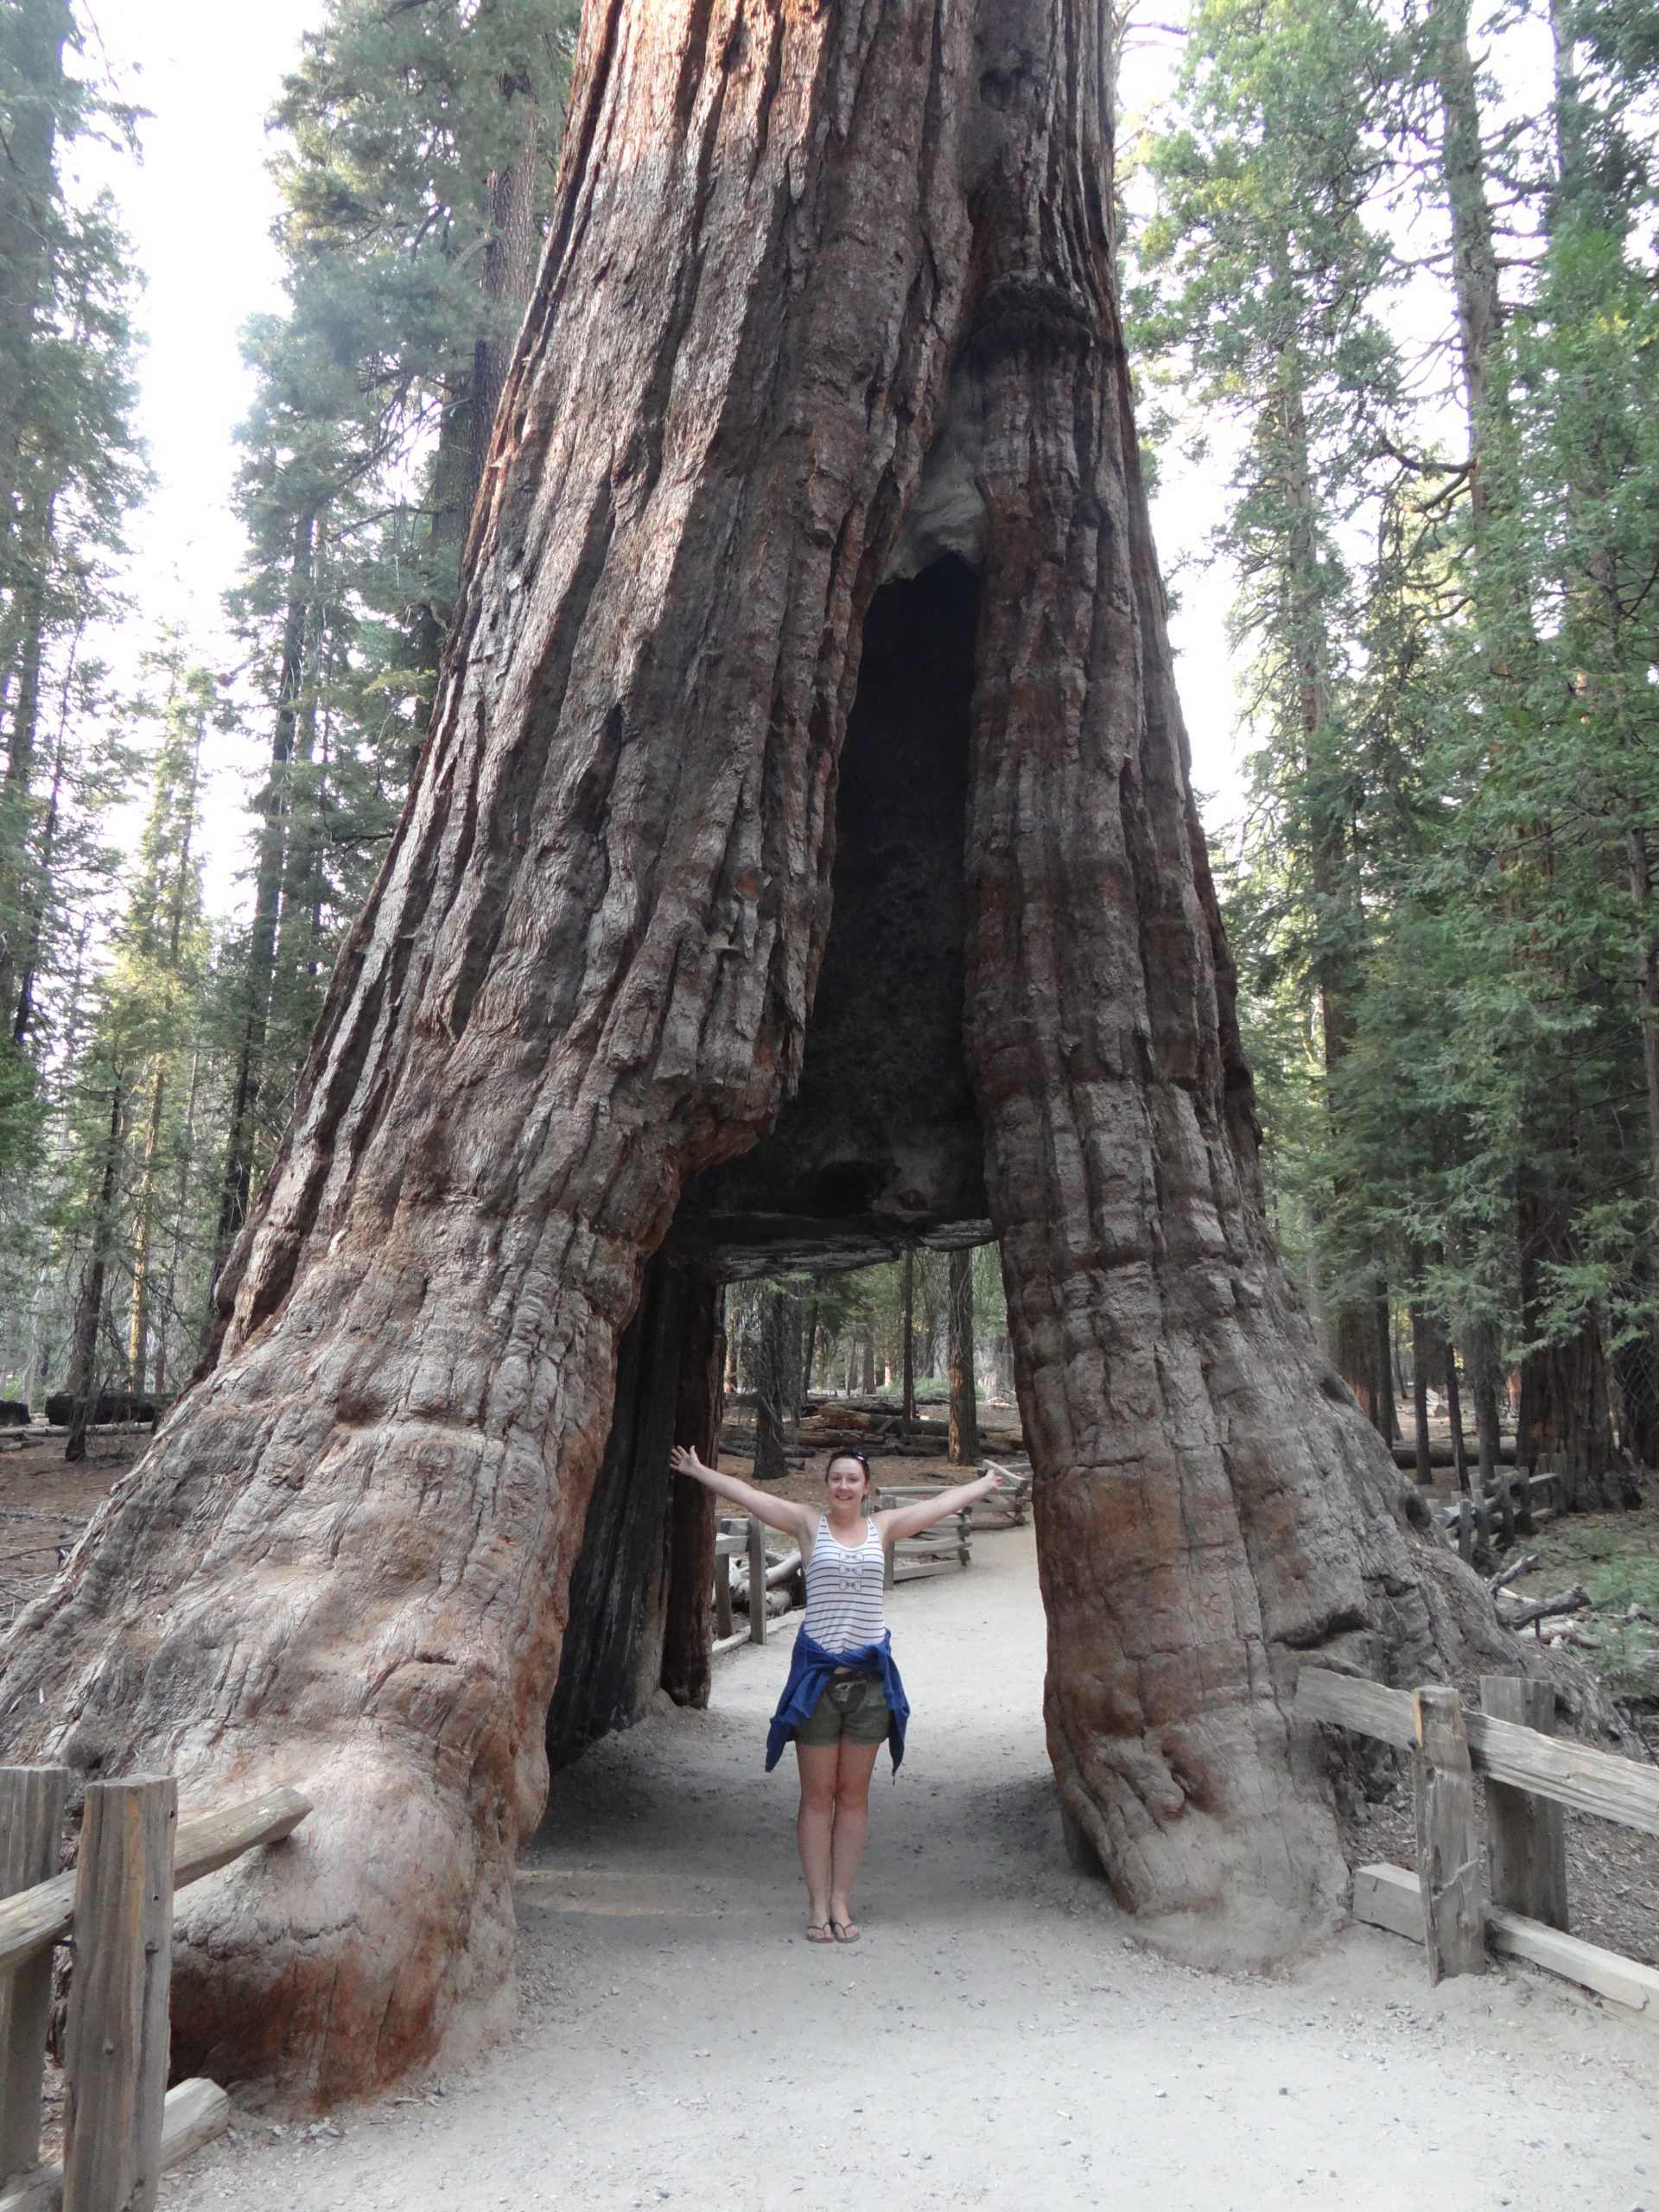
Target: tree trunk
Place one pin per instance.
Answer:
(82, 1379)
(808, 1357)
(776, 1372)
(17, 889)
(22, 998)
(794, 250)
(1420, 1395)
(964, 1407)
(868, 1385)
(142, 1232)
(1459, 1455)
(907, 1395)
(509, 274)
(611, 1656)
(1474, 255)
(693, 1510)
(1386, 1419)
(1565, 1413)
(1484, 1370)
(236, 1184)
(39, 31)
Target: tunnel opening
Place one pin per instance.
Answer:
(880, 1147)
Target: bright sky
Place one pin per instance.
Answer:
(199, 208)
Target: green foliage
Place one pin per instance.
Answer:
(1436, 901)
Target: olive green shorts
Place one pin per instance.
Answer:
(853, 1707)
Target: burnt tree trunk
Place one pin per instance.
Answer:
(692, 1512)
(816, 277)
(612, 1653)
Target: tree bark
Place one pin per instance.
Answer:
(964, 1450)
(793, 249)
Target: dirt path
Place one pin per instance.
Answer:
(995, 2038)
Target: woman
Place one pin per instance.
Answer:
(843, 1695)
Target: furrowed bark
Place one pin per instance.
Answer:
(791, 251)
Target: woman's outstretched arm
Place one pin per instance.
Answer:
(911, 1520)
(780, 1513)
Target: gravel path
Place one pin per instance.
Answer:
(997, 2036)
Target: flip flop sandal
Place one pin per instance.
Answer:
(820, 1932)
(843, 1931)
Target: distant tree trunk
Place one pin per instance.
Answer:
(965, 1405)
(1460, 1456)
(1419, 1357)
(869, 1366)
(1486, 1376)
(907, 1399)
(17, 892)
(508, 275)
(22, 998)
(37, 34)
(777, 1371)
(1565, 1412)
(261, 965)
(82, 1381)
(791, 250)
(809, 1353)
(1386, 1419)
(181, 1214)
(143, 1227)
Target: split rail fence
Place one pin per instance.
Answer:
(1531, 1775)
(122, 2126)
(736, 1540)
(951, 1538)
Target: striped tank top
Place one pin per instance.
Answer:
(843, 1591)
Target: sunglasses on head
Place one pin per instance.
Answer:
(835, 1457)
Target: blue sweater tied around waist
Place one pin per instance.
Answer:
(810, 1667)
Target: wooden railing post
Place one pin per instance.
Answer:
(1525, 1836)
(115, 2047)
(722, 1593)
(31, 1828)
(1448, 1842)
(757, 1579)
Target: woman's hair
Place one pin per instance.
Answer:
(828, 1465)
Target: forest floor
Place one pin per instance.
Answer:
(998, 2036)
(45, 1503)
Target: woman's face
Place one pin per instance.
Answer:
(846, 1482)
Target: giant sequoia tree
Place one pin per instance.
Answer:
(823, 386)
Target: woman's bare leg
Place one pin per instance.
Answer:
(818, 1764)
(853, 1772)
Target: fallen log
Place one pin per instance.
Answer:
(1513, 1572)
(1441, 1455)
(1520, 1613)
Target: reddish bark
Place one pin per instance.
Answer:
(793, 251)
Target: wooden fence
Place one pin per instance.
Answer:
(1530, 1776)
(122, 2126)
(736, 1539)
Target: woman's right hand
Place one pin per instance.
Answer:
(684, 1462)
